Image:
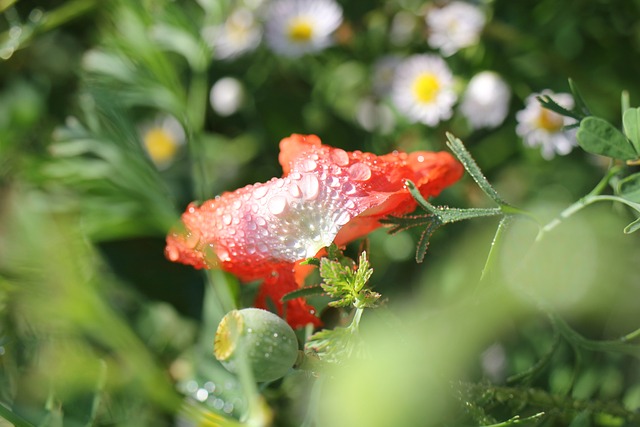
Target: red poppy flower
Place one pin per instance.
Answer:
(325, 195)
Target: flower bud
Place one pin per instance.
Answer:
(268, 343)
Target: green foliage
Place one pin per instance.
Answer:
(533, 324)
(598, 136)
(346, 284)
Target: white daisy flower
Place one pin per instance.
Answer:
(423, 89)
(485, 102)
(540, 127)
(161, 139)
(226, 96)
(238, 35)
(454, 26)
(297, 27)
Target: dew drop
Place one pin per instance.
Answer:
(277, 205)
(228, 408)
(262, 248)
(295, 176)
(348, 188)
(210, 386)
(343, 218)
(173, 254)
(267, 355)
(310, 187)
(218, 404)
(308, 165)
(260, 192)
(223, 254)
(295, 191)
(201, 394)
(192, 239)
(191, 386)
(420, 158)
(251, 226)
(275, 335)
(226, 219)
(359, 172)
(191, 209)
(339, 157)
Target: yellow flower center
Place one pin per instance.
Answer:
(227, 335)
(426, 87)
(550, 121)
(160, 145)
(300, 30)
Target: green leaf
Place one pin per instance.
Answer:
(629, 187)
(631, 122)
(598, 136)
(363, 273)
(581, 106)
(472, 168)
(547, 102)
(633, 227)
(303, 292)
(423, 244)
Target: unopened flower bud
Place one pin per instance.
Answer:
(268, 343)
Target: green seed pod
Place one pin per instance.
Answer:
(267, 341)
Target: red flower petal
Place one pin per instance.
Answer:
(282, 281)
(325, 195)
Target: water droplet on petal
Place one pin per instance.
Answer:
(339, 157)
(308, 165)
(173, 254)
(310, 187)
(295, 191)
(277, 205)
(223, 254)
(342, 218)
(348, 188)
(251, 225)
(260, 191)
(359, 172)
(334, 182)
(226, 219)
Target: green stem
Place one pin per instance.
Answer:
(517, 420)
(592, 197)
(490, 263)
(13, 418)
(611, 346)
(355, 322)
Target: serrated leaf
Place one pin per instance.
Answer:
(303, 292)
(631, 123)
(406, 222)
(633, 227)
(423, 244)
(629, 187)
(598, 136)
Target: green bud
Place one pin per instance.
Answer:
(268, 343)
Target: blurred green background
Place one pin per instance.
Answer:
(98, 328)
